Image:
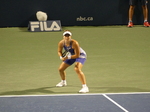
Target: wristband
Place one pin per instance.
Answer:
(69, 56)
(60, 57)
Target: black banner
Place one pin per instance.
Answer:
(69, 12)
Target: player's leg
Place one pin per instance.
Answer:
(78, 68)
(63, 66)
(131, 12)
(145, 12)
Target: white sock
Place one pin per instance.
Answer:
(145, 20)
(84, 85)
(63, 81)
(130, 21)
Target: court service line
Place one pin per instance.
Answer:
(115, 103)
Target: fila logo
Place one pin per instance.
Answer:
(39, 26)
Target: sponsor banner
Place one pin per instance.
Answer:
(45, 26)
(85, 18)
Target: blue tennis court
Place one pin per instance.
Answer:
(121, 102)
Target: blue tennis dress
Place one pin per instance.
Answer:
(81, 58)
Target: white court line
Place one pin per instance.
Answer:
(86, 94)
(115, 103)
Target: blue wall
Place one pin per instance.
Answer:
(70, 12)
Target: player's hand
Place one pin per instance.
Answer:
(68, 56)
(64, 58)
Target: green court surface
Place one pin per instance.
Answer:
(118, 60)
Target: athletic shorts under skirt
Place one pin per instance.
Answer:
(71, 61)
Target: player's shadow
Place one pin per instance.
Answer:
(116, 89)
(43, 90)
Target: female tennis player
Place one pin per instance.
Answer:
(75, 55)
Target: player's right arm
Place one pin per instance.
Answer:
(60, 48)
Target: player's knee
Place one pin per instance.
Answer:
(77, 69)
(60, 70)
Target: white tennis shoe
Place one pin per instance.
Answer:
(84, 90)
(61, 84)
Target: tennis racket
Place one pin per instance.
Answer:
(65, 53)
